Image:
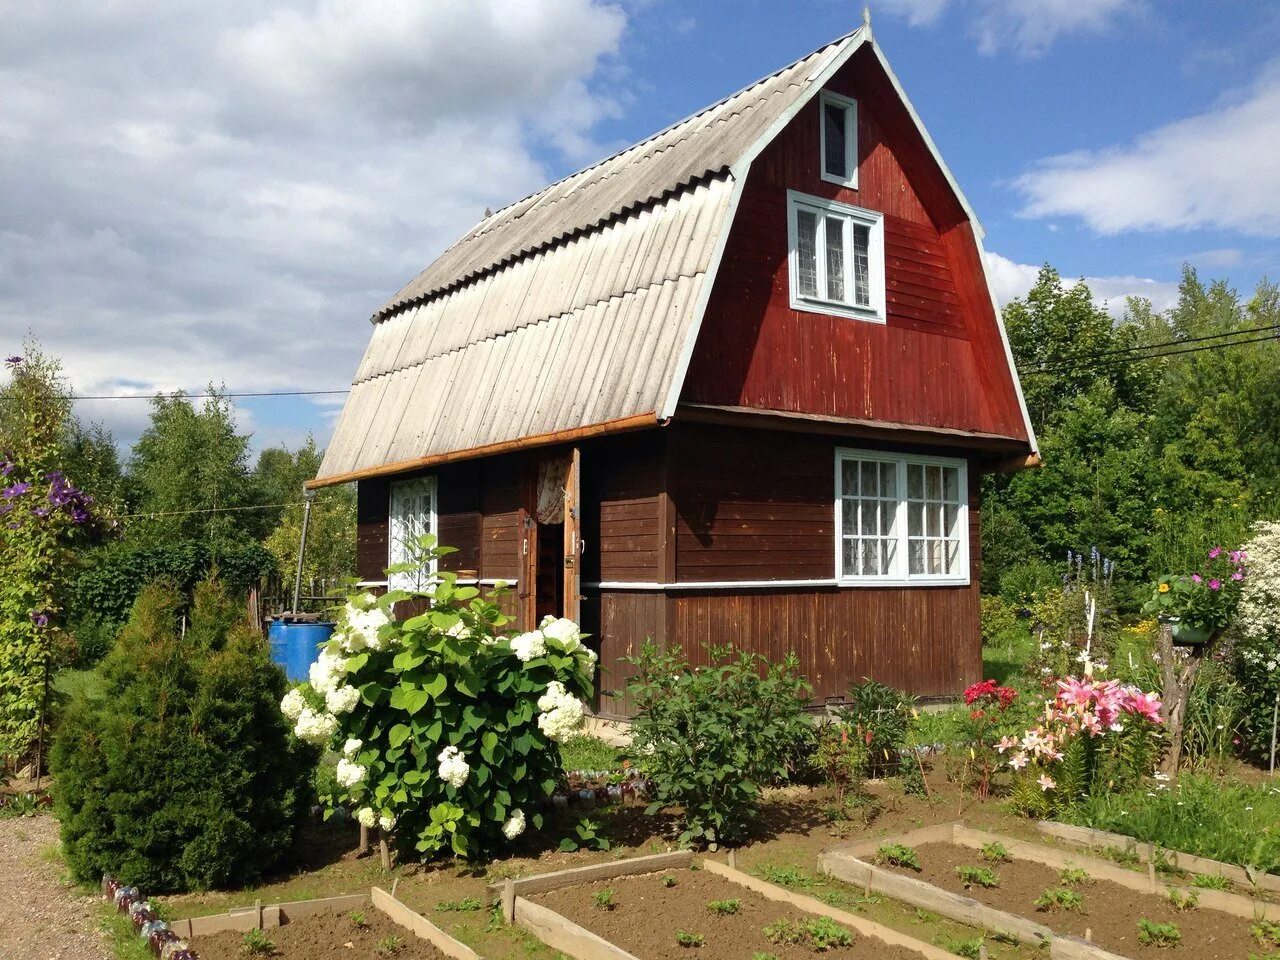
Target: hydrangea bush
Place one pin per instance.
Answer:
(447, 725)
(1257, 653)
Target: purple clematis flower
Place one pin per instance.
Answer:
(13, 361)
(17, 490)
(39, 618)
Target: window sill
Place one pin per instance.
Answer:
(837, 309)
(850, 184)
(897, 582)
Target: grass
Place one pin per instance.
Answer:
(793, 878)
(585, 752)
(819, 934)
(1210, 881)
(688, 940)
(1231, 822)
(1152, 934)
(898, 855)
(724, 908)
(465, 905)
(977, 877)
(1058, 898)
(970, 948)
(390, 945)
(357, 919)
(1266, 932)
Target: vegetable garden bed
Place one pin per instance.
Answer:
(1080, 906)
(336, 928)
(665, 908)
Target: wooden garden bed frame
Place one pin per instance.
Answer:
(845, 863)
(1146, 852)
(265, 917)
(575, 941)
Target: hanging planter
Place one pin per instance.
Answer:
(1189, 634)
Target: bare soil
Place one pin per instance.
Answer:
(647, 915)
(325, 936)
(1109, 914)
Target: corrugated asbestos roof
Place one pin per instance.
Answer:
(567, 309)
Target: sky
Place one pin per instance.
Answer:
(196, 193)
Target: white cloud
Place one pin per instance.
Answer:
(1027, 27)
(1012, 280)
(195, 193)
(1213, 170)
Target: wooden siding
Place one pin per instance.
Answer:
(622, 485)
(937, 361)
(372, 504)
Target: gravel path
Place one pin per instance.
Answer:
(40, 917)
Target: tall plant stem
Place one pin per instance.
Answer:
(1178, 682)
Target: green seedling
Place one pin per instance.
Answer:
(389, 946)
(357, 919)
(1152, 934)
(764, 956)
(724, 908)
(1074, 877)
(791, 877)
(1182, 902)
(1058, 898)
(688, 940)
(898, 855)
(994, 852)
(257, 944)
(972, 949)
(819, 934)
(668, 881)
(977, 877)
(1266, 932)
(603, 899)
(465, 905)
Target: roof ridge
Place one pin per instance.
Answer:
(654, 136)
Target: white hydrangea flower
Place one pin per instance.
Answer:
(366, 817)
(349, 773)
(459, 630)
(555, 692)
(548, 619)
(328, 670)
(352, 747)
(454, 768)
(342, 699)
(386, 822)
(514, 825)
(315, 727)
(527, 646)
(564, 632)
(293, 704)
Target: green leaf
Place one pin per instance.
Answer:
(488, 742)
(436, 686)
(399, 733)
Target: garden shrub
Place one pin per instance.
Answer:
(177, 771)
(447, 725)
(711, 736)
(881, 717)
(841, 756)
(1257, 654)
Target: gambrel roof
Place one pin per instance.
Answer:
(573, 311)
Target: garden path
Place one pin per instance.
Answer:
(41, 917)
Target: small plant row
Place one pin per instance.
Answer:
(819, 935)
(151, 930)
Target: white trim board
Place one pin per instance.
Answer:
(764, 584)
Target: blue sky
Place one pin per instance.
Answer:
(195, 193)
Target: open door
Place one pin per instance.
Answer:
(556, 540)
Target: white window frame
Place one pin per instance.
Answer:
(850, 107)
(874, 311)
(900, 574)
(397, 546)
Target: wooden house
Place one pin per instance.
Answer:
(737, 383)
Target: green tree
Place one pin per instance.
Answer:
(190, 469)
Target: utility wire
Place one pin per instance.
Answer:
(1116, 363)
(1140, 348)
(185, 513)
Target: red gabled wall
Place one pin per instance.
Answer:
(937, 362)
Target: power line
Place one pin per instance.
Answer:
(1139, 350)
(211, 395)
(1120, 361)
(154, 514)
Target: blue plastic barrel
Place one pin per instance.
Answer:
(295, 645)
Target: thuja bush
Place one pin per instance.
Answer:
(711, 736)
(447, 724)
(177, 771)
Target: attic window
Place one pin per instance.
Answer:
(837, 258)
(839, 139)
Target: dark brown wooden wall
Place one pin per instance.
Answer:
(938, 361)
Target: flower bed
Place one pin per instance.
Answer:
(1077, 904)
(324, 936)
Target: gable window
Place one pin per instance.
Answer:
(901, 518)
(838, 139)
(836, 257)
(412, 514)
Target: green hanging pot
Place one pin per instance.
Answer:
(1190, 634)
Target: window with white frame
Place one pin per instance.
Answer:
(412, 514)
(836, 257)
(838, 139)
(901, 518)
